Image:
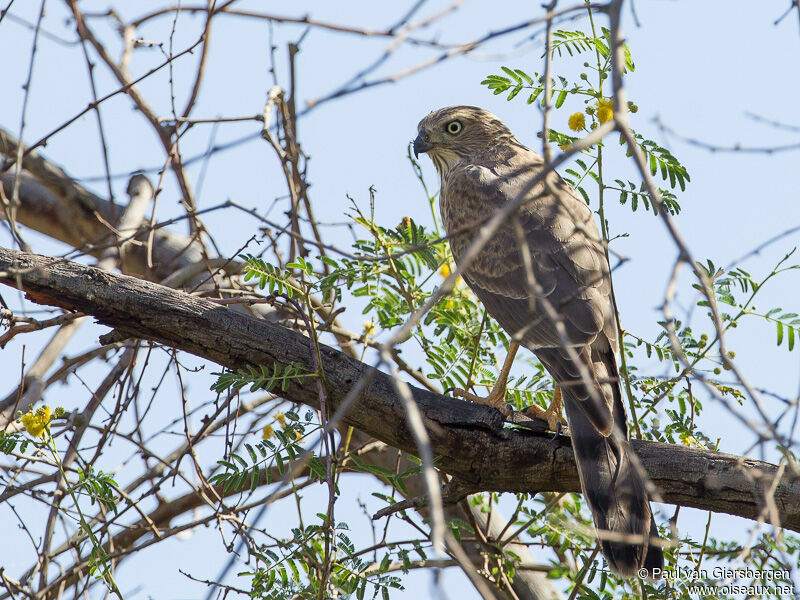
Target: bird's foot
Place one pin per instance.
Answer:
(553, 419)
(552, 414)
(495, 399)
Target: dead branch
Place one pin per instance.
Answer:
(469, 440)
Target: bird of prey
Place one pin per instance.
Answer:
(544, 277)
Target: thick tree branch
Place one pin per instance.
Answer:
(54, 204)
(469, 439)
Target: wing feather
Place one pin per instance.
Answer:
(568, 262)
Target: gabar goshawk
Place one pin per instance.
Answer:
(555, 299)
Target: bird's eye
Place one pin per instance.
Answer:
(454, 127)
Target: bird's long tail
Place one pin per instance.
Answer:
(612, 482)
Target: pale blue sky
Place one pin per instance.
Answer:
(701, 67)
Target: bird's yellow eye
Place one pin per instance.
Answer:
(454, 127)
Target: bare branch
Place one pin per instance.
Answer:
(469, 439)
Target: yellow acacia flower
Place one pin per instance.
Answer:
(369, 327)
(445, 271)
(576, 121)
(690, 441)
(605, 110)
(267, 432)
(449, 304)
(36, 423)
(563, 146)
(281, 418)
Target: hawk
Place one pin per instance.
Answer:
(545, 278)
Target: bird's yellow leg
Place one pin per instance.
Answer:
(497, 397)
(552, 414)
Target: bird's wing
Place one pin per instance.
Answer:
(567, 258)
(567, 262)
(572, 274)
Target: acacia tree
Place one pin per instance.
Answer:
(302, 400)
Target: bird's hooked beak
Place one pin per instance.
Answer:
(422, 143)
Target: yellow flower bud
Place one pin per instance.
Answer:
(267, 432)
(281, 418)
(404, 224)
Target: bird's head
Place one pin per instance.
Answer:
(451, 134)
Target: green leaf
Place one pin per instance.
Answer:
(361, 589)
(512, 74)
(254, 479)
(524, 76)
(252, 452)
(534, 95)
